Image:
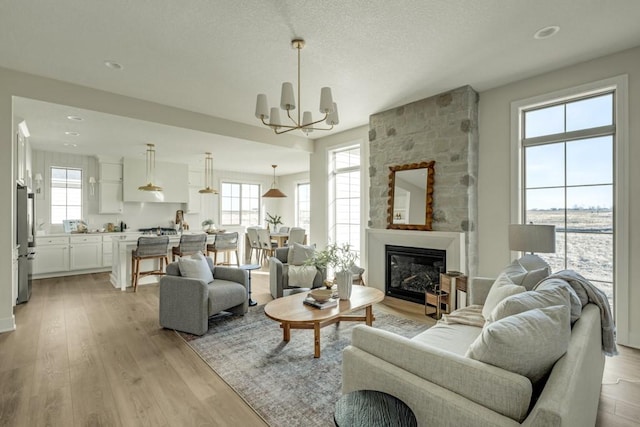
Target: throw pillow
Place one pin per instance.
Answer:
(195, 267)
(527, 271)
(534, 262)
(527, 343)
(574, 299)
(529, 300)
(502, 288)
(298, 254)
(515, 271)
(533, 277)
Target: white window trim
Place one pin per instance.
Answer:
(239, 181)
(620, 84)
(331, 217)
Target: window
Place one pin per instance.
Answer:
(344, 215)
(303, 206)
(568, 181)
(66, 194)
(240, 204)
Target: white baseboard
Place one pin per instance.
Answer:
(8, 324)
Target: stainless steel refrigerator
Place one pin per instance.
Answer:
(25, 213)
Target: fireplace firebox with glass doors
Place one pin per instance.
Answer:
(412, 272)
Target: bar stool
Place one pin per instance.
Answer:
(224, 242)
(148, 248)
(189, 244)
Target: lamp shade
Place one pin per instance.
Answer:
(262, 108)
(332, 118)
(307, 118)
(287, 101)
(326, 100)
(274, 192)
(274, 117)
(532, 238)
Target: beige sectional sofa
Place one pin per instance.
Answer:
(443, 387)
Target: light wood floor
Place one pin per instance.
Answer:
(85, 353)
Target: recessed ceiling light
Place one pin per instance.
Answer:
(69, 144)
(113, 65)
(546, 32)
(75, 118)
(72, 133)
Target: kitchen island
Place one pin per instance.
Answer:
(123, 244)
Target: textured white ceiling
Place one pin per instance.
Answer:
(213, 57)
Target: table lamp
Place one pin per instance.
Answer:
(532, 238)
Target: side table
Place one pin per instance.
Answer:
(369, 408)
(248, 268)
(436, 299)
(455, 283)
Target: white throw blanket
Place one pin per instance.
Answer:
(470, 315)
(597, 297)
(302, 275)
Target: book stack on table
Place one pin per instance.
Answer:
(331, 302)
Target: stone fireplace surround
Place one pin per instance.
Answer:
(442, 128)
(376, 239)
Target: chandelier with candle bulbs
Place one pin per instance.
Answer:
(271, 116)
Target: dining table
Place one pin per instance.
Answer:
(279, 238)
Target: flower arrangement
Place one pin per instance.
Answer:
(208, 223)
(338, 257)
(274, 220)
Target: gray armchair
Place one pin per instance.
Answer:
(186, 304)
(279, 278)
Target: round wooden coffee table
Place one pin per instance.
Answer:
(293, 314)
(369, 408)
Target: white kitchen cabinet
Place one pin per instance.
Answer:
(110, 197)
(52, 255)
(195, 200)
(110, 172)
(85, 252)
(107, 251)
(110, 200)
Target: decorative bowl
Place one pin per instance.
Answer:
(321, 295)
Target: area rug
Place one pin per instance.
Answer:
(282, 381)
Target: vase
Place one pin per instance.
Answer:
(344, 282)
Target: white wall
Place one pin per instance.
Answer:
(494, 178)
(288, 184)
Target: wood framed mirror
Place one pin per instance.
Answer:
(410, 203)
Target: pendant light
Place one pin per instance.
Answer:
(151, 170)
(273, 191)
(301, 120)
(208, 176)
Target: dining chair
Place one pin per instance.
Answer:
(296, 235)
(224, 243)
(149, 248)
(267, 247)
(254, 243)
(189, 245)
(283, 230)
